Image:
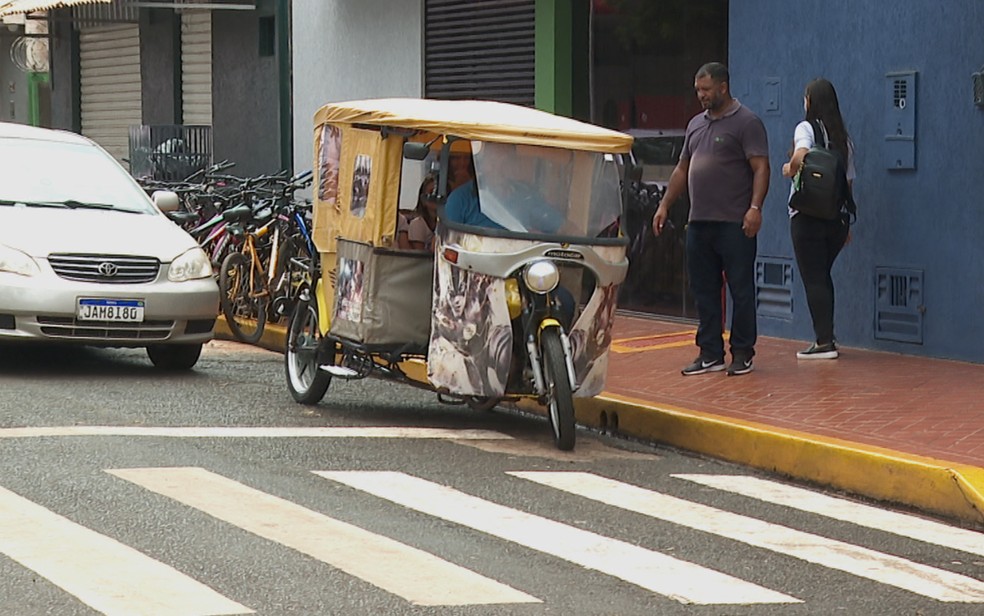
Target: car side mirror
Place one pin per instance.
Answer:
(166, 200)
(413, 150)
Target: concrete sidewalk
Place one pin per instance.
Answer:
(888, 427)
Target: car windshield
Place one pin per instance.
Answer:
(532, 189)
(657, 150)
(72, 175)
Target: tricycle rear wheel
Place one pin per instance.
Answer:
(306, 380)
(560, 398)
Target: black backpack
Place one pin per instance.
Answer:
(820, 188)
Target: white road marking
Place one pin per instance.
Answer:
(101, 572)
(859, 561)
(845, 510)
(254, 432)
(415, 575)
(679, 580)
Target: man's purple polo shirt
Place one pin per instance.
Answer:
(720, 179)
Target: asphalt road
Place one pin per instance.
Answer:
(382, 501)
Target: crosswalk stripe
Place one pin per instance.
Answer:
(859, 561)
(415, 575)
(101, 572)
(254, 432)
(677, 579)
(845, 510)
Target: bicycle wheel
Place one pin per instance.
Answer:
(560, 398)
(305, 379)
(244, 308)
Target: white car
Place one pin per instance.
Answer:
(86, 257)
(657, 151)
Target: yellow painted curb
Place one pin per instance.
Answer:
(274, 337)
(926, 484)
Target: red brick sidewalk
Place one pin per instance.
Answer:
(925, 407)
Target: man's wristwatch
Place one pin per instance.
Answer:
(756, 207)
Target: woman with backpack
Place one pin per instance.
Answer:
(816, 241)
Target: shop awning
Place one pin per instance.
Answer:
(14, 7)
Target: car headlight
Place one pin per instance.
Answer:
(191, 265)
(17, 262)
(541, 276)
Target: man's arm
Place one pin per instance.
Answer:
(760, 186)
(675, 188)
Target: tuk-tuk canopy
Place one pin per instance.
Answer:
(477, 121)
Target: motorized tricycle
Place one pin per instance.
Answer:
(516, 295)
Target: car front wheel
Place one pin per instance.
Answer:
(174, 356)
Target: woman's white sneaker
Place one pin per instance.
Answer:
(819, 351)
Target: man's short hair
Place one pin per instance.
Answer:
(716, 71)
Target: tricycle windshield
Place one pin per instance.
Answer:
(544, 190)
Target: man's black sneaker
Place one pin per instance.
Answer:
(701, 366)
(740, 366)
(819, 351)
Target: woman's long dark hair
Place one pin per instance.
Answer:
(822, 105)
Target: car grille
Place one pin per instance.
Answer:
(107, 269)
(71, 328)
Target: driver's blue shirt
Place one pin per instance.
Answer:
(462, 207)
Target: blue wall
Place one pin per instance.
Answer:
(930, 218)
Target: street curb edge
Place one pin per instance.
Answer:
(946, 489)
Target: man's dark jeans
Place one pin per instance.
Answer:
(713, 248)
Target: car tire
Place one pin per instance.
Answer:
(174, 357)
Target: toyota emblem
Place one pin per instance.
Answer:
(108, 269)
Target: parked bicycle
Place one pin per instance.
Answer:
(243, 279)
(257, 233)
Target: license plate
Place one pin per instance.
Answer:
(124, 310)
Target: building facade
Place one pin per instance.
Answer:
(909, 81)
(223, 65)
(910, 279)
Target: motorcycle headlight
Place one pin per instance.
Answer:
(541, 276)
(17, 262)
(191, 265)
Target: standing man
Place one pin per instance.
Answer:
(725, 163)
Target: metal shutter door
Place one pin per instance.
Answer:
(196, 67)
(109, 59)
(481, 49)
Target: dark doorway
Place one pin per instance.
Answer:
(644, 56)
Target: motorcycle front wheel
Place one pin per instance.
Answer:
(560, 398)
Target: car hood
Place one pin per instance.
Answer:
(42, 231)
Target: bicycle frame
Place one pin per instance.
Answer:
(256, 264)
